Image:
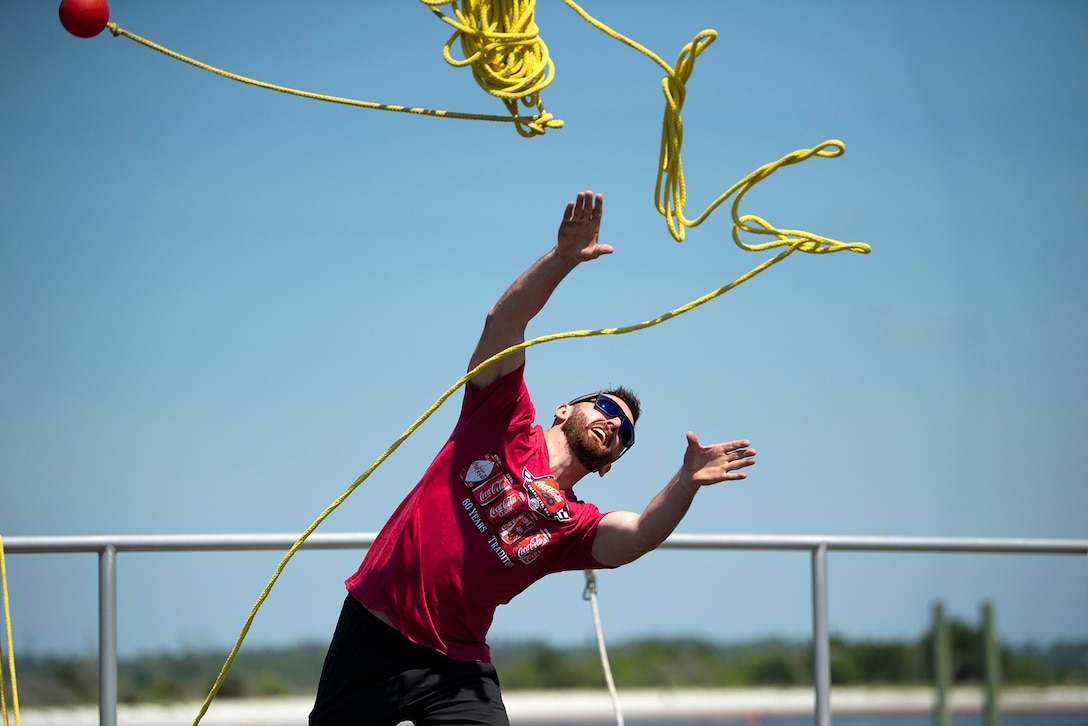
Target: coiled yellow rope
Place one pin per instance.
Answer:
(11, 650)
(500, 41)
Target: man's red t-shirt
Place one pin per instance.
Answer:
(486, 521)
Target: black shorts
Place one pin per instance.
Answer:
(374, 676)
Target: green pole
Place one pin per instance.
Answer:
(991, 653)
(942, 666)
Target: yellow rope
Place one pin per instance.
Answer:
(526, 126)
(11, 650)
(670, 192)
(500, 41)
(791, 240)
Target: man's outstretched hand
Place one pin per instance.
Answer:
(580, 229)
(705, 465)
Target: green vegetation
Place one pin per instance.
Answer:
(698, 664)
(165, 678)
(652, 663)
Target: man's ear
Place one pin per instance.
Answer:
(604, 470)
(562, 413)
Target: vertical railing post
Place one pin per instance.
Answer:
(942, 667)
(107, 636)
(991, 666)
(821, 637)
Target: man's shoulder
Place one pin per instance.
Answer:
(508, 388)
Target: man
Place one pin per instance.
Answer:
(495, 512)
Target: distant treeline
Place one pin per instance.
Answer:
(652, 663)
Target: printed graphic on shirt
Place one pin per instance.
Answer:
(513, 530)
(493, 489)
(512, 517)
(545, 498)
(480, 469)
(529, 548)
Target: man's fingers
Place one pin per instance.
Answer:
(585, 204)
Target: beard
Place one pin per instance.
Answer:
(586, 447)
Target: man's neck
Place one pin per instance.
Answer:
(566, 469)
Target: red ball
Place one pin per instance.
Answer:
(84, 18)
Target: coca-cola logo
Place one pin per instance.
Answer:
(529, 548)
(507, 506)
(492, 489)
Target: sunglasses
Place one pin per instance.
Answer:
(611, 409)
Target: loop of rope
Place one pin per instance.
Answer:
(11, 650)
(670, 191)
(590, 590)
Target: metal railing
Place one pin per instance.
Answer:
(108, 547)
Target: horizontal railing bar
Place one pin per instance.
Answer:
(251, 542)
(844, 543)
(183, 542)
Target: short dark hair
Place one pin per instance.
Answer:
(627, 396)
(624, 394)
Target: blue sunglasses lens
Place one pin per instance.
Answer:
(612, 409)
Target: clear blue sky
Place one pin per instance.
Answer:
(219, 304)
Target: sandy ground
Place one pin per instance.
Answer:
(752, 705)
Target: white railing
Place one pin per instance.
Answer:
(108, 547)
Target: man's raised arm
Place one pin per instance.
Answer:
(506, 321)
